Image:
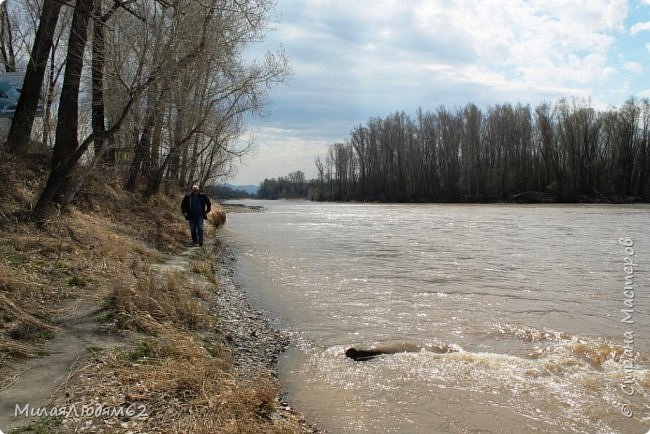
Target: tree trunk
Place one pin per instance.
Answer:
(190, 177)
(156, 137)
(79, 176)
(47, 111)
(140, 153)
(21, 125)
(66, 142)
(98, 121)
(7, 42)
(156, 178)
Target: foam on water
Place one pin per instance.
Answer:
(560, 386)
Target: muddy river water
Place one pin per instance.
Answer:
(520, 313)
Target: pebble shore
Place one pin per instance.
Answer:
(256, 344)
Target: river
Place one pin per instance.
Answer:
(516, 311)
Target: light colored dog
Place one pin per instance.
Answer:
(217, 217)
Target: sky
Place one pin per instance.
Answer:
(356, 59)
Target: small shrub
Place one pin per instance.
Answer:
(77, 281)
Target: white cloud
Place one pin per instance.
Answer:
(644, 93)
(647, 46)
(378, 45)
(633, 67)
(624, 88)
(639, 27)
(356, 59)
(546, 42)
(278, 152)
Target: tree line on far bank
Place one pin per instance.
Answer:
(225, 192)
(565, 152)
(292, 186)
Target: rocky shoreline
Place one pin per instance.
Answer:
(255, 343)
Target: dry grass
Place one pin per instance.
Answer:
(153, 301)
(101, 249)
(199, 291)
(185, 387)
(185, 380)
(76, 253)
(204, 268)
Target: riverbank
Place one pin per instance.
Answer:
(111, 322)
(219, 376)
(529, 197)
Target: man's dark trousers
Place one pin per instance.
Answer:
(196, 228)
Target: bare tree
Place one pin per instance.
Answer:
(565, 152)
(66, 142)
(7, 55)
(21, 125)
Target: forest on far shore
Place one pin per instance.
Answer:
(562, 152)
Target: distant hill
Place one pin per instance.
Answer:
(250, 189)
(231, 191)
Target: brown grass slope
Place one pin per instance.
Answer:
(103, 248)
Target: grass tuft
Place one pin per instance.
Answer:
(153, 302)
(203, 268)
(77, 281)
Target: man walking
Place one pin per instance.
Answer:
(195, 207)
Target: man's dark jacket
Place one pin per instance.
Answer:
(186, 206)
